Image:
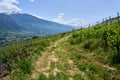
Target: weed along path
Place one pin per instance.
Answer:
(54, 61)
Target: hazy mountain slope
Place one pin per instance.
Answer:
(39, 26)
(8, 24)
(28, 23)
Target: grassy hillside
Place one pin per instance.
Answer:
(87, 54)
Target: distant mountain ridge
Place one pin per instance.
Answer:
(28, 23)
(8, 24)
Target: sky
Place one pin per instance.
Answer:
(71, 12)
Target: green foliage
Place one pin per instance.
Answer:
(82, 67)
(62, 76)
(42, 77)
(91, 44)
(26, 66)
(37, 51)
(91, 76)
(18, 75)
(115, 58)
(41, 47)
(92, 67)
(78, 77)
(35, 37)
(76, 56)
(51, 77)
(75, 35)
(74, 41)
(105, 74)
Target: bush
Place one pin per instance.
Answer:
(92, 67)
(26, 66)
(78, 77)
(74, 41)
(45, 43)
(106, 74)
(62, 76)
(116, 57)
(91, 44)
(76, 56)
(91, 75)
(51, 77)
(17, 75)
(75, 35)
(82, 67)
(35, 37)
(41, 48)
(37, 51)
(42, 77)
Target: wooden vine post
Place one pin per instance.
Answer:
(81, 34)
(105, 22)
(110, 19)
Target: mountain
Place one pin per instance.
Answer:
(39, 26)
(22, 23)
(8, 24)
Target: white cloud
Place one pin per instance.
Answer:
(59, 18)
(11, 1)
(8, 6)
(76, 22)
(37, 16)
(32, 0)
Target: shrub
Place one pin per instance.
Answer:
(45, 43)
(75, 35)
(41, 47)
(17, 75)
(115, 57)
(42, 77)
(82, 67)
(78, 77)
(92, 67)
(74, 41)
(106, 75)
(76, 56)
(51, 77)
(35, 37)
(62, 76)
(26, 66)
(91, 75)
(37, 51)
(91, 44)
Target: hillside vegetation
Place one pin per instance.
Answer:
(87, 54)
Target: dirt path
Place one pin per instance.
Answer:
(43, 64)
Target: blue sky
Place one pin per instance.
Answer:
(66, 11)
